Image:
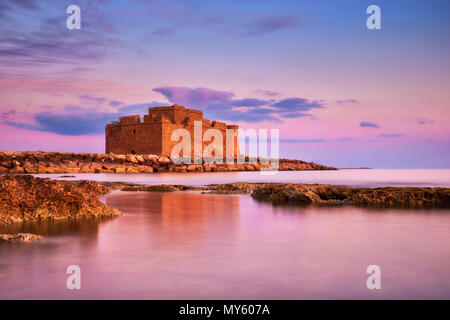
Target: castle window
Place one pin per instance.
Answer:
(133, 152)
(134, 131)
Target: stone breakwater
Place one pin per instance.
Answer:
(63, 162)
(25, 198)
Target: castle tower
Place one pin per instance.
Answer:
(153, 135)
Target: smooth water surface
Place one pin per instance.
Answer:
(353, 177)
(187, 245)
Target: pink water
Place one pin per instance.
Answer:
(353, 177)
(187, 245)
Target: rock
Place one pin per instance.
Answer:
(160, 188)
(68, 170)
(120, 157)
(388, 197)
(164, 160)
(95, 166)
(132, 158)
(249, 167)
(25, 198)
(190, 168)
(29, 167)
(85, 168)
(17, 170)
(140, 159)
(5, 163)
(181, 169)
(20, 237)
(150, 158)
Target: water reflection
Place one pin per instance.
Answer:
(178, 216)
(351, 177)
(87, 227)
(187, 245)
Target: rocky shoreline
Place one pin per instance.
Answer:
(25, 198)
(328, 195)
(64, 162)
(314, 194)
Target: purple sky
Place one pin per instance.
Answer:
(340, 94)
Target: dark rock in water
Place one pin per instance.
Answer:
(386, 197)
(20, 237)
(160, 188)
(25, 198)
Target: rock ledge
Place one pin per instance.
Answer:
(25, 198)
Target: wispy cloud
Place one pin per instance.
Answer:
(266, 25)
(267, 93)
(367, 124)
(346, 101)
(303, 140)
(221, 105)
(297, 104)
(318, 140)
(248, 102)
(422, 122)
(76, 120)
(89, 98)
(115, 103)
(391, 135)
(49, 42)
(198, 97)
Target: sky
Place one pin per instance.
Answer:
(340, 94)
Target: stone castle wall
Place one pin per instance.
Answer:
(153, 135)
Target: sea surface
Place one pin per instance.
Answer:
(189, 245)
(352, 177)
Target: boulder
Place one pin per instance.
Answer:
(164, 160)
(140, 159)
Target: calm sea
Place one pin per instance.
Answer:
(188, 245)
(354, 177)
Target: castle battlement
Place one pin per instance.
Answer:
(152, 134)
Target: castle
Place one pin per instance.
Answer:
(131, 135)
